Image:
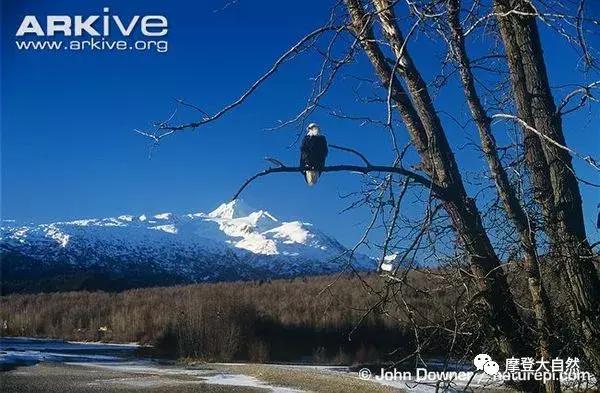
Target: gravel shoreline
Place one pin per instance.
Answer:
(202, 378)
(63, 378)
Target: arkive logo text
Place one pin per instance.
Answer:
(93, 32)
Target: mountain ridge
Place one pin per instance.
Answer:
(232, 242)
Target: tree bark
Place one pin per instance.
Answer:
(438, 161)
(566, 230)
(506, 192)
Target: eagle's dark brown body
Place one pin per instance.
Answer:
(312, 156)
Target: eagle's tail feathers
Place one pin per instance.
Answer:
(311, 177)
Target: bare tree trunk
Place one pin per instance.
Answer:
(506, 192)
(534, 155)
(566, 230)
(438, 161)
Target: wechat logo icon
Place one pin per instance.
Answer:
(483, 362)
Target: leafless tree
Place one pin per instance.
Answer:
(561, 200)
(506, 191)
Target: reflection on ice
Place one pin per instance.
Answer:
(23, 351)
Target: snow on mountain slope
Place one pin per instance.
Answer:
(233, 241)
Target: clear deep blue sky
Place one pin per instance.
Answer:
(69, 150)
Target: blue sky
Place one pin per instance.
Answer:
(69, 150)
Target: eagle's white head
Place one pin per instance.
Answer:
(313, 129)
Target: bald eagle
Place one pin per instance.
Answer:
(313, 153)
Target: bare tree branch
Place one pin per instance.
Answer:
(164, 129)
(439, 191)
(362, 157)
(589, 159)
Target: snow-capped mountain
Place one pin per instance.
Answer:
(232, 242)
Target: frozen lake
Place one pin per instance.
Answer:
(25, 351)
(115, 366)
(139, 373)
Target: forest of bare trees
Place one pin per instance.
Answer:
(526, 211)
(283, 320)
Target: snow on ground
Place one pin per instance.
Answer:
(151, 370)
(244, 380)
